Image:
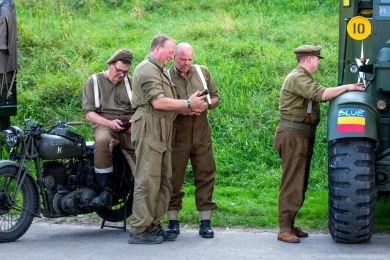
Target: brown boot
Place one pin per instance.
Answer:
(288, 236)
(299, 232)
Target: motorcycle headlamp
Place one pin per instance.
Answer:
(13, 136)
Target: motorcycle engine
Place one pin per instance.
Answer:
(70, 189)
(74, 202)
(54, 176)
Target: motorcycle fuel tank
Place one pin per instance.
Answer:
(53, 147)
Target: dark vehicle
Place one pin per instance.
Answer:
(359, 122)
(61, 183)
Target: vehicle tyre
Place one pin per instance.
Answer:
(16, 217)
(351, 170)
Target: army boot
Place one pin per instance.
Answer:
(146, 237)
(174, 227)
(205, 229)
(165, 235)
(104, 198)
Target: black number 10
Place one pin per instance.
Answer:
(358, 28)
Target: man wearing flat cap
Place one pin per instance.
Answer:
(294, 138)
(107, 104)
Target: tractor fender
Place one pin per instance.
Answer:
(353, 114)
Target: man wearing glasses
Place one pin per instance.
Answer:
(107, 104)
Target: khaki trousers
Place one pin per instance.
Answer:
(105, 141)
(295, 148)
(192, 142)
(151, 136)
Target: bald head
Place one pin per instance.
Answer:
(184, 47)
(184, 55)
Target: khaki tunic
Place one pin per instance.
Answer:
(8, 37)
(113, 98)
(8, 62)
(295, 146)
(152, 132)
(115, 104)
(192, 141)
(298, 89)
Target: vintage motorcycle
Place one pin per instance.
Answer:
(61, 183)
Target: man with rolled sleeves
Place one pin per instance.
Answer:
(294, 138)
(107, 104)
(154, 96)
(192, 141)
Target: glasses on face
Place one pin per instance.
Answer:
(119, 71)
(317, 58)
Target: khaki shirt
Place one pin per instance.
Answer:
(113, 98)
(150, 81)
(186, 87)
(297, 90)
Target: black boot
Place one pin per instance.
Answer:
(174, 227)
(205, 229)
(104, 198)
(166, 235)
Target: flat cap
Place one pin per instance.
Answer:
(308, 50)
(122, 55)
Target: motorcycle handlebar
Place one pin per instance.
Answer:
(74, 123)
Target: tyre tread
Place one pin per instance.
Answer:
(351, 171)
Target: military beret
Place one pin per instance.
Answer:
(308, 50)
(122, 55)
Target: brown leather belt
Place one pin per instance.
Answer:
(300, 126)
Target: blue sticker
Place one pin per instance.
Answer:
(349, 112)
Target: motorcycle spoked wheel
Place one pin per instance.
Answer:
(16, 216)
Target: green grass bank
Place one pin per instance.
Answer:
(247, 45)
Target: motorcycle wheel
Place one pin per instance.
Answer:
(16, 216)
(116, 213)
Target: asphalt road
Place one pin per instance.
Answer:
(64, 241)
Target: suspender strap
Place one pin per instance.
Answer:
(197, 67)
(128, 89)
(168, 73)
(310, 107)
(96, 92)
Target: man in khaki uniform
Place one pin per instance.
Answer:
(154, 96)
(8, 62)
(8, 37)
(294, 138)
(192, 141)
(110, 111)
